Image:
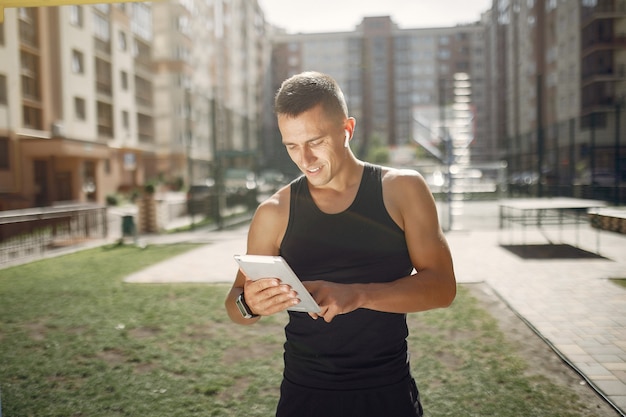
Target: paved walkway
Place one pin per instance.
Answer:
(571, 303)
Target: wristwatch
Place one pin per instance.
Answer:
(245, 311)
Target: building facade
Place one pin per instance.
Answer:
(78, 104)
(102, 99)
(563, 92)
(396, 81)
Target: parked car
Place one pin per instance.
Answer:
(199, 198)
(601, 177)
(270, 180)
(240, 186)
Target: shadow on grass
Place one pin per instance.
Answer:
(551, 251)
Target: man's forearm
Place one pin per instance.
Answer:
(423, 291)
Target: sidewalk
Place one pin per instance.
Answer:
(570, 303)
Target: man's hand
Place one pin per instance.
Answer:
(268, 296)
(333, 299)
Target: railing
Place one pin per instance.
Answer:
(31, 233)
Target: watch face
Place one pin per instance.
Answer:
(242, 308)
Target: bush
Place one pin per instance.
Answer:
(112, 200)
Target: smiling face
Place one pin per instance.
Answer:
(316, 143)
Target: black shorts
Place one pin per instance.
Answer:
(397, 400)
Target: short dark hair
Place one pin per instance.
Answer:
(306, 90)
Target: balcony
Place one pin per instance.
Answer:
(591, 45)
(600, 77)
(601, 11)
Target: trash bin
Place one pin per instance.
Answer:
(128, 225)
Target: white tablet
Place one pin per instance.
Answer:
(263, 266)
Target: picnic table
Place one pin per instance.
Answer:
(541, 212)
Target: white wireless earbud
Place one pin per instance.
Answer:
(345, 144)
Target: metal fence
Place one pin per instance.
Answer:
(30, 233)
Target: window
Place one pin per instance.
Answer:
(30, 87)
(141, 23)
(125, 119)
(3, 90)
(76, 16)
(121, 38)
(183, 25)
(29, 64)
(79, 108)
(28, 26)
(4, 153)
(103, 76)
(105, 119)
(124, 80)
(32, 117)
(143, 91)
(101, 27)
(78, 65)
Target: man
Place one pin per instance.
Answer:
(366, 242)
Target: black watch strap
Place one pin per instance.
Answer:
(243, 307)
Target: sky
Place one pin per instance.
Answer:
(305, 16)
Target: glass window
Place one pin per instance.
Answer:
(79, 108)
(141, 23)
(101, 27)
(4, 153)
(76, 16)
(3, 90)
(103, 7)
(78, 64)
(125, 119)
(31, 117)
(124, 80)
(123, 44)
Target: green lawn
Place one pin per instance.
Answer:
(77, 341)
(619, 281)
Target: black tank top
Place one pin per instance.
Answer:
(364, 348)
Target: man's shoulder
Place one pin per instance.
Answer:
(400, 174)
(270, 221)
(276, 204)
(404, 184)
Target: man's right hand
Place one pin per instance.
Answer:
(268, 296)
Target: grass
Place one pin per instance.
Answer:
(619, 281)
(77, 341)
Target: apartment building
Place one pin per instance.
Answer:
(210, 59)
(76, 118)
(563, 88)
(603, 88)
(101, 99)
(396, 81)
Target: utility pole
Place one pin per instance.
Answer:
(217, 163)
(616, 153)
(540, 137)
(448, 154)
(188, 137)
